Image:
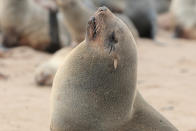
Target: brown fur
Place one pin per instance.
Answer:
(95, 88)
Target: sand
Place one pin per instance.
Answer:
(166, 78)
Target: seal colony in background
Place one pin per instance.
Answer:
(141, 12)
(72, 9)
(184, 14)
(25, 22)
(95, 88)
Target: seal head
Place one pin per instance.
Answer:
(106, 30)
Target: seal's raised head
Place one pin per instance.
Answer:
(108, 32)
(96, 85)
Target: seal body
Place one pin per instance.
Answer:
(95, 88)
(183, 12)
(24, 22)
(143, 15)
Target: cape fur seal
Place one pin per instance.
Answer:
(24, 22)
(184, 14)
(95, 88)
(76, 15)
(143, 15)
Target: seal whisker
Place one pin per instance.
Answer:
(94, 27)
(97, 28)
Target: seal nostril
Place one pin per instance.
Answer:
(102, 8)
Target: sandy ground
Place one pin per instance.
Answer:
(166, 78)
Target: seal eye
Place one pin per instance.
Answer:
(112, 40)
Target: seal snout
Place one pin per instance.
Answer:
(97, 22)
(102, 9)
(103, 12)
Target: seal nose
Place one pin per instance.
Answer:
(103, 8)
